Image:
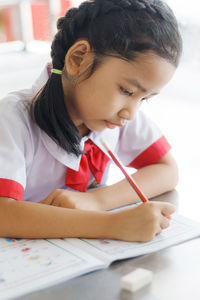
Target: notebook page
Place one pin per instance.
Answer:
(29, 265)
(180, 230)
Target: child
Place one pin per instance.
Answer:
(107, 57)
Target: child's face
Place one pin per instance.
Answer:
(114, 91)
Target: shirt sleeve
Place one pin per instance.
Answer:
(141, 142)
(13, 149)
(16, 140)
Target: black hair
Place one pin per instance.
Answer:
(122, 28)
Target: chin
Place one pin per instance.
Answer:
(97, 127)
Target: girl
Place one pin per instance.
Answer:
(107, 57)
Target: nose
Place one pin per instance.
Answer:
(128, 112)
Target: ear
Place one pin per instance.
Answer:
(78, 58)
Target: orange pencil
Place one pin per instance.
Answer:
(122, 168)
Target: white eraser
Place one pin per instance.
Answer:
(136, 279)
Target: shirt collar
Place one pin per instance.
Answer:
(72, 161)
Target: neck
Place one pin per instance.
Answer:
(83, 130)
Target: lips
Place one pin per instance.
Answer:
(112, 125)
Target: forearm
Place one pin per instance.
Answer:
(34, 220)
(153, 180)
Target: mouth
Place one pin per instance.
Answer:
(111, 125)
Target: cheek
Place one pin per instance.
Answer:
(97, 102)
(88, 106)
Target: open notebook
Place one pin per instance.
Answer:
(29, 265)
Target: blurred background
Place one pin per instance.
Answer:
(26, 31)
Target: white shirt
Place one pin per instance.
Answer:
(32, 165)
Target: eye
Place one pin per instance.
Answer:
(144, 99)
(125, 92)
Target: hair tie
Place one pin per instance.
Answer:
(56, 71)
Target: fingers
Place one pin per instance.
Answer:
(59, 198)
(163, 212)
(165, 208)
(49, 199)
(168, 209)
(53, 198)
(164, 222)
(166, 212)
(56, 202)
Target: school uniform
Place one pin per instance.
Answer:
(32, 165)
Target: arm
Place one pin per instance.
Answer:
(153, 180)
(35, 220)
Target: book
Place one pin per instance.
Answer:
(28, 265)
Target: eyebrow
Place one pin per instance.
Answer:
(138, 85)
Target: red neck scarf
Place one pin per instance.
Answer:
(94, 160)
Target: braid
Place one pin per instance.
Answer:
(64, 38)
(88, 20)
(120, 28)
(70, 27)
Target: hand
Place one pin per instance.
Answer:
(141, 223)
(73, 200)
